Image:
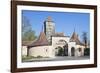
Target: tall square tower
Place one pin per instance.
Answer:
(49, 28)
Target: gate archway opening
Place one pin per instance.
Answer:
(59, 51)
(72, 51)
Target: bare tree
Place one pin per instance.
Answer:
(85, 39)
(28, 34)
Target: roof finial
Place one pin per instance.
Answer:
(42, 29)
(74, 27)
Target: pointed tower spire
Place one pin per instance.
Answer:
(41, 40)
(74, 29)
(42, 29)
(74, 37)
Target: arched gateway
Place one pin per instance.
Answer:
(50, 43)
(62, 48)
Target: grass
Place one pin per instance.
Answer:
(31, 57)
(27, 57)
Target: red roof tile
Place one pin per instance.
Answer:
(75, 38)
(40, 41)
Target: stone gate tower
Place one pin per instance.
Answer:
(49, 28)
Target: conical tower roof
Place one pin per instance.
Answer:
(74, 38)
(41, 41)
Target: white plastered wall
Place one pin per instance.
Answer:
(24, 50)
(44, 51)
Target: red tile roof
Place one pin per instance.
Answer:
(41, 41)
(74, 38)
(26, 43)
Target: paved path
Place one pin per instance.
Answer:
(58, 58)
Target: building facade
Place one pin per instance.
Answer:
(52, 44)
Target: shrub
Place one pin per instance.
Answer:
(60, 52)
(27, 57)
(87, 51)
(39, 56)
